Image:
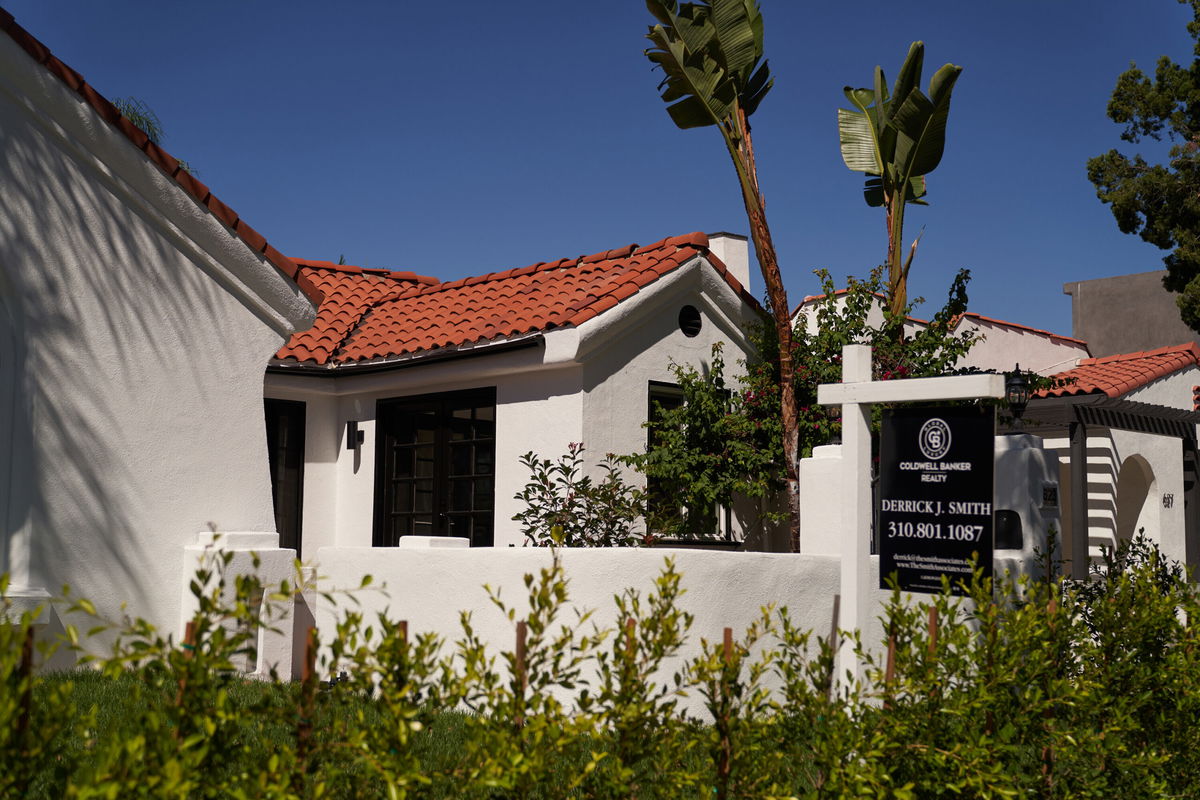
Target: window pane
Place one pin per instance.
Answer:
(423, 496)
(426, 461)
(460, 459)
(460, 494)
(484, 495)
(402, 462)
(485, 457)
(402, 497)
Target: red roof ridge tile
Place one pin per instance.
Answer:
(393, 274)
(139, 139)
(1189, 348)
(1029, 328)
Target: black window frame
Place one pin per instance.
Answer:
(442, 518)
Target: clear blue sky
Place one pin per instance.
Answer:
(459, 138)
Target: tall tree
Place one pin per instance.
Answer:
(897, 139)
(1160, 203)
(711, 55)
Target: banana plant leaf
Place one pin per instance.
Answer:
(710, 54)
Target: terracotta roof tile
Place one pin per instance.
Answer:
(347, 293)
(1120, 374)
(165, 161)
(376, 318)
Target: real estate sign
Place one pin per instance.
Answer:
(935, 495)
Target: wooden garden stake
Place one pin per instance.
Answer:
(26, 674)
(725, 759)
(890, 671)
(304, 723)
(189, 647)
(402, 656)
(933, 642)
(833, 641)
(1048, 750)
(521, 677)
(189, 650)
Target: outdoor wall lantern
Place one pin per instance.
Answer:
(1016, 392)
(354, 437)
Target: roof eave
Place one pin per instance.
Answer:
(418, 359)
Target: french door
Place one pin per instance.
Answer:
(435, 467)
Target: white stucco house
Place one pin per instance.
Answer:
(406, 407)
(136, 313)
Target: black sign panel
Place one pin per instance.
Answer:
(935, 496)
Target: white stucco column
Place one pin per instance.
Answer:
(856, 501)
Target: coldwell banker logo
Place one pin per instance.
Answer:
(934, 439)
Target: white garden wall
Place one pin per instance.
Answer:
(428, 587)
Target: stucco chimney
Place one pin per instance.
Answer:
(734, 251)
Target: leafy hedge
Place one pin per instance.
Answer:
(1053, 691)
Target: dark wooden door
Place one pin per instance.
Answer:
(285, 451)
(435, 467)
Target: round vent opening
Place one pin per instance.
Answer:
(689, 320)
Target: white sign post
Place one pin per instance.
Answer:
(855, 394)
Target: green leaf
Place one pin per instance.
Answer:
(736, 36)
(922, 123)
(858, 142)
(910, 72)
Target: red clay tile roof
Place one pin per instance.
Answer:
(1018, 326)
(1120, 374)
(345, 294)
(164, 160)
(372, 315)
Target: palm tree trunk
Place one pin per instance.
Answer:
(742, 152)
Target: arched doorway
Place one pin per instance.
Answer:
(1137, 506)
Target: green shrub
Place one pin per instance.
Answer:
(1043, 690)
(564, 507)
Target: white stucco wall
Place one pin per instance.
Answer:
(135, 330)
(429, 587)
(1003, 347)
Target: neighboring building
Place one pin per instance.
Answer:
(136, 313)
(1001, 346)
(411, 401)
(1126, 314)
(1125, 429)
